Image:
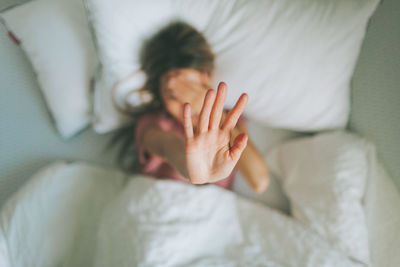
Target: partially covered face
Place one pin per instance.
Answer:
(182, 86)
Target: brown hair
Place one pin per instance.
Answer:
(175, 46)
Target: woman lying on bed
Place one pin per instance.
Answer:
(183, 131)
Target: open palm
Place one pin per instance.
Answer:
(209, 156)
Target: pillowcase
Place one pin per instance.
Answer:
(56, 38)
(52, 219)
(294, 58)
(325, 178)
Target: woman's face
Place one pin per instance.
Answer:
(182, 86)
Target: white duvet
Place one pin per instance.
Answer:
(75, 214)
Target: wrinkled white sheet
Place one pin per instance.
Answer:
(82, 215)
(173, 224)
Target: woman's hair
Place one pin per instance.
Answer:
(175, 46)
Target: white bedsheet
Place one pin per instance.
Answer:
(82, 215)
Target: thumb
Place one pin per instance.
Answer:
(239, 144)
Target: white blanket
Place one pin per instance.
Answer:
(81, 215)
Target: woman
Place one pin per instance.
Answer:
(179, 64)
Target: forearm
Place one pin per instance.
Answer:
(169, 146)
(252, 165)
(253, 168)
(174, 153)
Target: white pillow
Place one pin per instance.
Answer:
(324, 178)
(294, 58)
(52, 220)
(55, 36)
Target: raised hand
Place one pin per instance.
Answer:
(209, 156)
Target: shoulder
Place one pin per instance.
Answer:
(156, 119)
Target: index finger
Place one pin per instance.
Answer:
(234, 114)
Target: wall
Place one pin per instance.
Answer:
(376, 87)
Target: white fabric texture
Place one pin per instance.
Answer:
(324, 178)
(55, 37)
(80, 215)
(294, 58)
(52, 220)
(166, 223)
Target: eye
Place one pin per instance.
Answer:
(170, 94)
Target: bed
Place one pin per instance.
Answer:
(29, 141)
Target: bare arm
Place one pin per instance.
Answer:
(167, 145)
(252, 166)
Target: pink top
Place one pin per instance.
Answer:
(153, 165)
